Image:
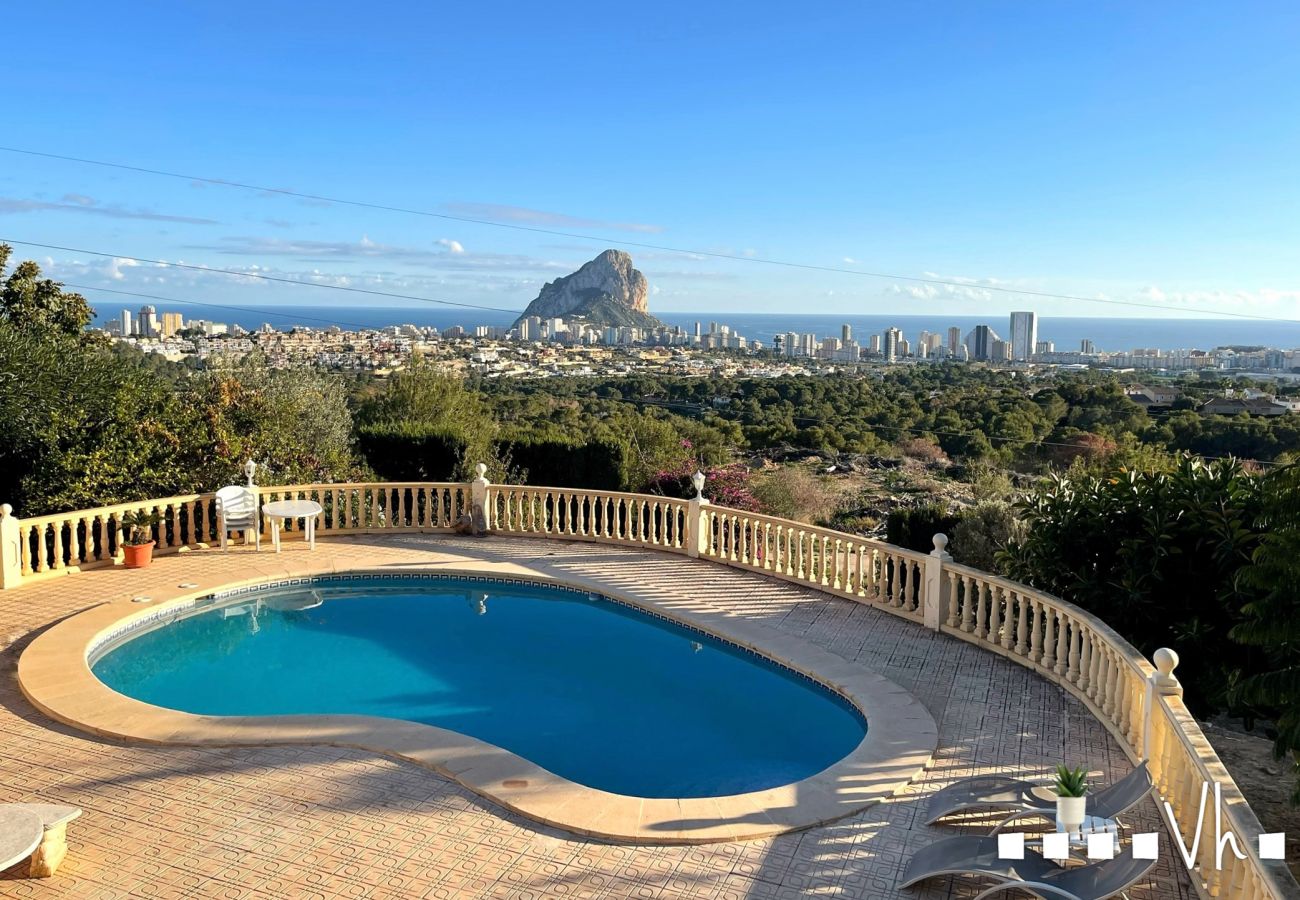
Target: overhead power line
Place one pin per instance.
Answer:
(712, 254)
(263, 277)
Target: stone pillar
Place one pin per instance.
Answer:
(44, 862)
(1161, 683)
(11, 559)
(697, 530)
(479, 523)
(936, 586)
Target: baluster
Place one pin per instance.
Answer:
(1022, 620)
(74, 542)
(1038, 636)
(1109, 693)
(1061, 659)
(1129, 699)
(968, 601)
(985, 610)
(999, 630)
(1084, 681)
(101, 523)
(56, 547)
(1095, 677)
(25, 549)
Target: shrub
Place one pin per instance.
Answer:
(595, 464)
(793, 492)
(915, 527)
(1155, 555)
(411, 451)
(923, 449)
(727, 485)
(982, 532)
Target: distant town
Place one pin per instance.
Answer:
(540, 347)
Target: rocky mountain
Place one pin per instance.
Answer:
(605, 291)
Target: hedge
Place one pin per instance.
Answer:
(411, 451)
(914, 528)
(416, 451)
(595, 464)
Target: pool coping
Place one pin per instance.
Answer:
(54, 674)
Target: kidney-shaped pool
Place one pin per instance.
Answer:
(598, 692)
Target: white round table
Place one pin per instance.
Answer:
(307, 510)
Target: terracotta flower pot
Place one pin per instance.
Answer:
(137, 556)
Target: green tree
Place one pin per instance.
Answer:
(83, 426)
(1272, 615)
(294, 422)
(29, 301)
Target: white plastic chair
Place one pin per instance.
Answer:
(237, 511)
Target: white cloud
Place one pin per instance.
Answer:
(452, 246)
(117, 264)
(79, 203)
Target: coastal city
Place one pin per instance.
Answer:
(539, 347)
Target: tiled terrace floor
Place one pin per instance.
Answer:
(325, 822)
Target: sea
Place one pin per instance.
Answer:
(1108, 334)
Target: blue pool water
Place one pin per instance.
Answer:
(595, 691)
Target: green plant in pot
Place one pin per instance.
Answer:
(137, 548)
(1071, 786)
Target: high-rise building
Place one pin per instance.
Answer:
(172, 323)
(698, 329)
(1000, 351)
(1024, 334)
(1086, 346)
(890, 341)
(126, 324)
(875, 343)
(923, 345)
(980, 342)
(846, 332)
(1044, 347)
(954, 340)
(148, 321)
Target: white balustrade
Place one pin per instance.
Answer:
(1139, 704)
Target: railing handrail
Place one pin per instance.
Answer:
(1140, 663)
(99, 511)
(1141, 706)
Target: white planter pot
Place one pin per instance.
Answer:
(1070, 813)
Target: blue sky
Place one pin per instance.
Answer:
(1146, 151)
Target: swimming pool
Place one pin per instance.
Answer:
(598, 692)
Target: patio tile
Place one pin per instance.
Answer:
(317, 821)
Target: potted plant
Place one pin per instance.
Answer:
(1071, 787)
(137, 549)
